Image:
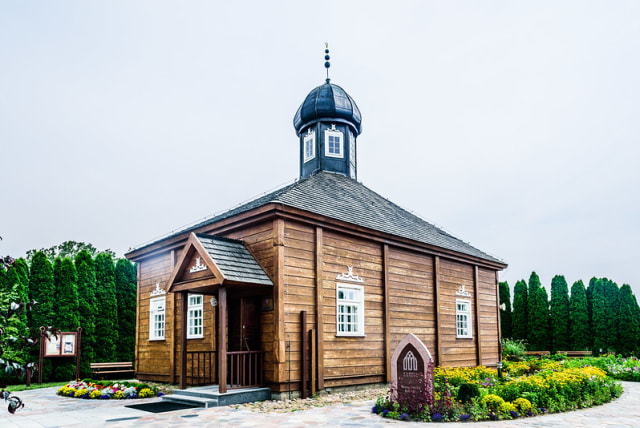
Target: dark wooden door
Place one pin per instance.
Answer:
(244, 324)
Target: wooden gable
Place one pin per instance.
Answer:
(195, 270)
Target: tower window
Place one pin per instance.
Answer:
(333, 141)
(309, 146)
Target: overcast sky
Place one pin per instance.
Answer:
(512, 125)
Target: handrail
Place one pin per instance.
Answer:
(245, 369)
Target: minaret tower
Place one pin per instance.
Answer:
(328, 123)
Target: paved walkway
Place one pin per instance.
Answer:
(45, 409)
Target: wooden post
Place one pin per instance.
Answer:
(303, 353)
(222, 345)
(499, 325)
(184, 295)
(78, 348)
(312, 345)
(476, 298)
(436, 304)
(171, 327)
(387, 314)
(279, 334)
(319, 309)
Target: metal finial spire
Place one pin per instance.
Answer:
(327, 64)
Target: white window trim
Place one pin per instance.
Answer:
(336, 133)
(195, 307)
(469, 334)
(157, 305)
(310, 138)
(360, 310)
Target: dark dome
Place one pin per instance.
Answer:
(329, 102)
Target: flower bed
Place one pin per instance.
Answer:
(95, 390)
(526, 389)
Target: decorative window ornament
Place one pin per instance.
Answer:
(462, 292)
(158, 291)
(349, 276)
(199, 266)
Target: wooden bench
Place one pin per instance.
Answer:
(575, 354)
(536, 353)
(101, 369)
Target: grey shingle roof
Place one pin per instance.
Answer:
(342, 198)
(234, 260)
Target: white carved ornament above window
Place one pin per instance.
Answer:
(199, 266)
(349, 276)
(158, 291)
(463, 292)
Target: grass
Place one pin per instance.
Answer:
(17, 388)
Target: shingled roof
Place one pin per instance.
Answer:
(342, 198)
(234, 260)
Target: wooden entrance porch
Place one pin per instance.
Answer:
(225, 271)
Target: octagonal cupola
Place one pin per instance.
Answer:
(328, 123)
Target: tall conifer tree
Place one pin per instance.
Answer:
(538, 317)
(66, 311)
(599, 316)
(106, 326)
(629, 322)
(126, 294)
(611, 294)
(560, 332)
(87, 308)
(505, 314)
(579, 318)
(42, 290)
(519, 316)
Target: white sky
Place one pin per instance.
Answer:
(512, 125)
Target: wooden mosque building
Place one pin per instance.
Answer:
(316, 282)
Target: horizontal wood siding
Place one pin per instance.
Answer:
(411, 297)
(349, 357)
(455, 352)
(154, 360)
(488, 316)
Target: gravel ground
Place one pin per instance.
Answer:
(323, 400)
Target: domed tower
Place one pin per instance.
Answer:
(328, 123)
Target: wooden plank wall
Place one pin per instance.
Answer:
(154, 356)
(455, 352)
(411, 297)
(488, 313)
(348, 358)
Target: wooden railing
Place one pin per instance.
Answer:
(245, 368)
(201, 368)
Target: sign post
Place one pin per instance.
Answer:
(412, 371)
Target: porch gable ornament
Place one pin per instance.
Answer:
(349, 276)
(462, 292)
(198, 267)
(158, 291)
(412, 371)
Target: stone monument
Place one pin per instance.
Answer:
(412, 371)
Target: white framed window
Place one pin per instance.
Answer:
(309, 146)
(157, 307)
(463, 319)
(349, 310)
(352, 155)
(195, 317)
(333, 143)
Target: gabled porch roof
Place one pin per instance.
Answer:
(209, 261)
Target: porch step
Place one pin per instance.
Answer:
(209, 396)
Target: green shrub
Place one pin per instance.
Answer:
(468, 391)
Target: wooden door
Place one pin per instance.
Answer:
(244, 324)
